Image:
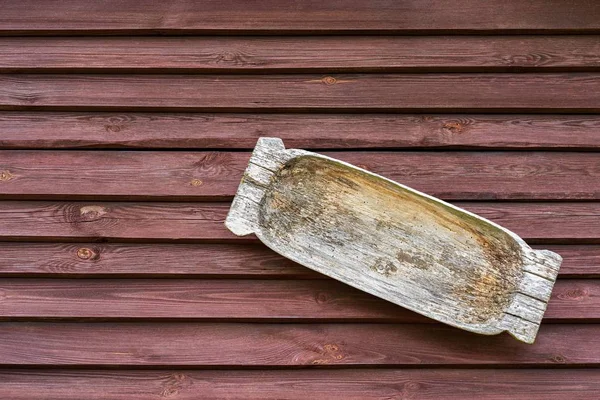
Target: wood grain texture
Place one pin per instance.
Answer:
(157, 260)
(118, 279)
(393, 242)
(109, 221)
(558, 223)
(102, 260)
(237, 17)
(47, 130)
(152, 175)
(577, 260)
(286, 345)
(367, 93)
(573, 300)
(346, 384)
(300, 54)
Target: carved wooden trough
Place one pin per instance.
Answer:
(393, 242)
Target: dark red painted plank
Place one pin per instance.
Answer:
(577, 260)
(241, 300)
(249, 300)
(299, 54)
(288, 345)
(574, 299)
(47, 130)
(544, 222)
(564, 222)
(156, 260)
(61, 260)
(121, 221)
(239, 16)
(119, 175)
(555, 92)
(341, 384)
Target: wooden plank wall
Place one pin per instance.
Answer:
(125, 127)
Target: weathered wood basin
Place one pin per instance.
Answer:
(393, 242)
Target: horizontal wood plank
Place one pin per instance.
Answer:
(120, 175)
(287, 345)
(115, 221)
(341, 384)
(62, 130)
(241, 300)
(238, 16)
(553, 92)
(161, 260)
(299, 54)
(564, 223)
(578, 261)
(227, 301)
(94, 260)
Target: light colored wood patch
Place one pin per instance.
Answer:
(393, 242)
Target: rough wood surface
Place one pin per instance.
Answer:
(300, 54)
(312, 16)
(287, 345)
(310, 92)
(393, 242)
(95, 260)
(346, 384)
(154, 175)
(538, 222)
(49, 130)
(573, 300)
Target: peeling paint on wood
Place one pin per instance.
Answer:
(393, 242)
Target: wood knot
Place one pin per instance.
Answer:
(573, 294)
(454, 127)
(329, 80)
(321, 298)
(173, 384)
(112, 128)
(559, 359)
(87, 254)
(332, 350)
(526, 60)
(227, 56)
(6, 176)
(91, 213)
(330, 353)
(234, 58)
(196, 182)
(383, 267)
(412, 386)
(331, 347)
